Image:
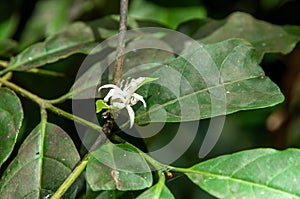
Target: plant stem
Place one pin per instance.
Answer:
(117, 75)
(61, 98)
(75, 118)
(116, 79)
(157, 165)
(45, 72)
(71, 178)
(45, 104)
(180, 170)
(3, 63)
(7, 76)
(161, 177)
(48, 105)
(24, 93)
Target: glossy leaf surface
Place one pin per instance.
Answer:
(79, 37)
(259, 173)
(11, 116)
(225, 78)
(118, 167)
(45, 159)
(158, 191)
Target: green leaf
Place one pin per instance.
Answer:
(229, 80)
(48, 17)
(79, 37)
(158, 191)
(171, 17)
(100, 104)
(264, 36)
(45, 159)
(8, 26)
(118, 166)
(259, 173)
(293, 30)
(146, 80)
(11, 116)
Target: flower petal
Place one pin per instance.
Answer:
(119, 96)
(132, 86)
(131, 115)
(108, 86)
(109, 94)
(140, 98)
(114, 93)
(119, 105)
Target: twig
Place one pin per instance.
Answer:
(74, 118)
(47, 105)
(7, 76)
(117, 75)
(121, 43)
(45, 72)
(3, 63)
(61, 99)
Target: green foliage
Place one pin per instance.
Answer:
(47, 19)
(257, 32)
(8, 26)
(100, 104)
(259, 173)
(160, 190)
(239, 74)
(118, 166)
(222, 77)
(11, 116)
(44, 160)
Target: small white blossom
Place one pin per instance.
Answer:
(125, 96)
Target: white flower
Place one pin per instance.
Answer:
(126, 97)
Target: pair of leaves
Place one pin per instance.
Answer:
(45, 159)
(11, 116)
(79, 37)
(212, 80)
(259, 173)
(265, 37)
(236, 59)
